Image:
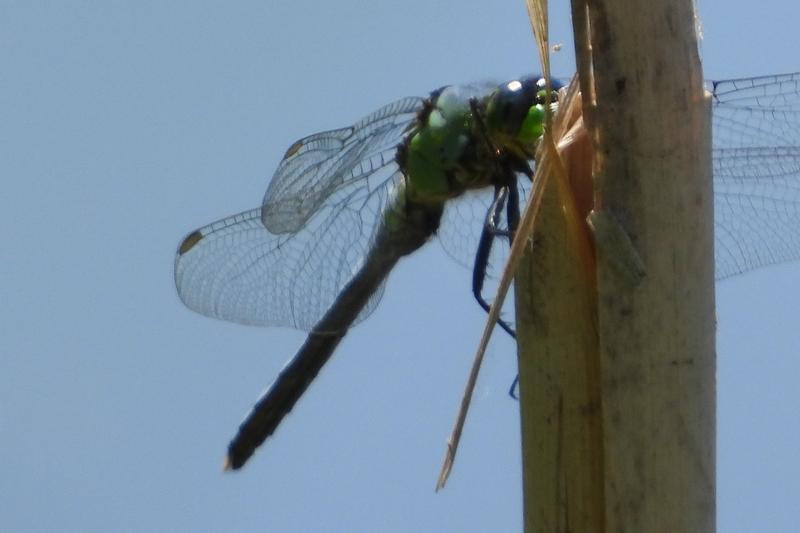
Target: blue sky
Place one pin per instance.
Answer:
(125, 125)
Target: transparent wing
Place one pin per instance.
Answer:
(285, 263)
(316, 166)
(756, 164)
(237, 270)
(462, 223)
(756, 161)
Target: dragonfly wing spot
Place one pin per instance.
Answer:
(189, 242)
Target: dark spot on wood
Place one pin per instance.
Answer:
(620, 85)
(589, 409)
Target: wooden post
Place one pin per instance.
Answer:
(617, 368)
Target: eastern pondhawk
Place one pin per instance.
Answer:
(345, 205)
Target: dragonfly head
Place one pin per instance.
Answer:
(515, 114)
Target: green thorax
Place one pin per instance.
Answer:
(461, 135)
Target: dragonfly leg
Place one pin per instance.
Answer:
(489, 233)
(512, 206)
(507, 194)
(510, 196)
(512, 217)
(523, 167)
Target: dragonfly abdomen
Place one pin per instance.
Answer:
(407, 228)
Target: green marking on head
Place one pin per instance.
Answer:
(533, 125)
(516, 114)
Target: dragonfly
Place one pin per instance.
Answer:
(345, 205)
